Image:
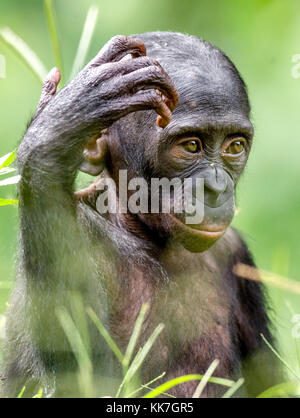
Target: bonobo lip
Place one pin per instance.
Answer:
(209, 227)
(211, 231)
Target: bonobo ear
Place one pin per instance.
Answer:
(95, 154)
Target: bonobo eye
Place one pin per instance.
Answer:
(235, 147)
(186, 148)
(191, 145)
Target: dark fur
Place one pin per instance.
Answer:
(118, 263)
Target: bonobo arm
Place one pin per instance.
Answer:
(103, 92)
(57, 256)
(51, 151)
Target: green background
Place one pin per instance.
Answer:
(261, 37)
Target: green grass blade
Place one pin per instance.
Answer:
(187, 378)
(165, 394)
(252, 273)
(24, 52)
(139, 358)
(7, 170)
(113, 346)
(8, 159)
(80, 319)
(234, 388)
(134, 336)
(279, 357)
(39, 394)
(146, 385)
(282, 390)
(22, 392)
(5, 202)
(10, 180)
(50, 17)
(204, 381)
(80, 352)
(85, 40)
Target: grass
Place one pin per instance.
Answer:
(5, 163)
(27, 56)
(75, 327)
(130, 364)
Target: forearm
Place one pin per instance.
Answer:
(47, 157)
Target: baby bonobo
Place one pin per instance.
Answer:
(156, 106)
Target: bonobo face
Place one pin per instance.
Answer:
(209, 138)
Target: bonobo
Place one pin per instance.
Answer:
(158, 105)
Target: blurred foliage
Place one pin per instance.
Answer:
(261, 37)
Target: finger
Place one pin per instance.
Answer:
(164, 117)
(49, 89)
(114, 69)
(96, 149)
(143, 100)
(152, 99)
(149, 78)
(117, 48)
(173, 101)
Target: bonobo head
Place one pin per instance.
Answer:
(209, 136)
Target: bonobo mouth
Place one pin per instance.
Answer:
(197, 238)
(211, 231)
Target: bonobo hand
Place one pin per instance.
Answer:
(107, 89)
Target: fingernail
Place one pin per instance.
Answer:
(161, 122)
(54, 75)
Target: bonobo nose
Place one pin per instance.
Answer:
(215, 186)
(216, 181)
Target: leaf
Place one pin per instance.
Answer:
(234, 388)
(24, 52)
(206, 376)
(10, 180)
(39, 394)
(135, 335)
(4, 202)
(187, 378)
(252, 273)
(146, 385)
(54, 36)
(279, 357)
(282, 390)
(8, 159)
(80, 351)
(85, 40)
(113, 346)
(21, 393)
(140, 357)
(7, 170)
